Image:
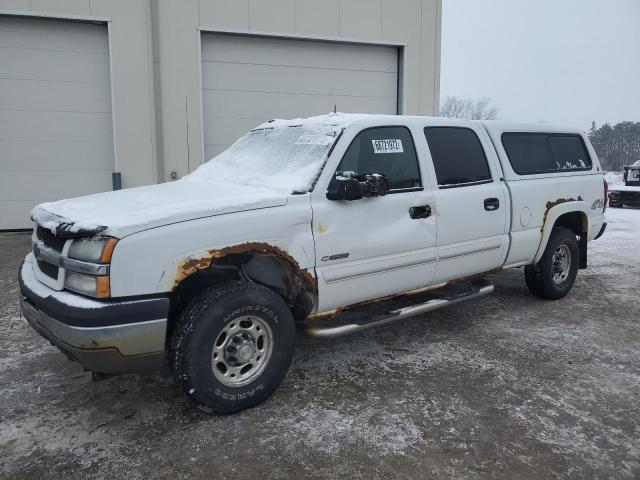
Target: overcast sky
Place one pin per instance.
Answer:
(565, 62)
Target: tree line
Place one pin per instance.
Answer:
(467, 108)
(616, 146)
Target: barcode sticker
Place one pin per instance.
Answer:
(314, 140)
(389, 145)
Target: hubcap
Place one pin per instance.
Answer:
(242, 351)
(561, 264)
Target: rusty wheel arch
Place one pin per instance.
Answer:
(576, 221)
(259, 262)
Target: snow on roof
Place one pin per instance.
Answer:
(339, 120)
(502, 126)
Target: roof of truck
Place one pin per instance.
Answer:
(343, 120)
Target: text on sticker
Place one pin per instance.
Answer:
(390, 145)
(314, 140)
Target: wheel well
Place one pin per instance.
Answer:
(262, 266)
(574, 221)
(578, 223)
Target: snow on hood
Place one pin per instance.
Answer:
(122, 212)
(260, 169)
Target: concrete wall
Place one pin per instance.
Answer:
(155, 61)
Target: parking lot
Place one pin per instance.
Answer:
(506, 386)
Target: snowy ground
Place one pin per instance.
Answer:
(506, 386)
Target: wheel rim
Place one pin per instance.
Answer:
(561, 261)
(242, 351)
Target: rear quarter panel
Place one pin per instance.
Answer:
(538, 200)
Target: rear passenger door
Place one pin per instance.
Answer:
(471, 201)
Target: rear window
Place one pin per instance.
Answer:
(458, 156)
(531, 153)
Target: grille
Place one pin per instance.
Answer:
(49, 239)
(48, 269)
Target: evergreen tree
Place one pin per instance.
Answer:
(616, 146)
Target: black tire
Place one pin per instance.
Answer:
(540, 277)
(199, 327)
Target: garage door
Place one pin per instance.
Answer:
(249, 80)
(56, 136)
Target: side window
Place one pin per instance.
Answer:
(458, 156)
(386, 150)
(528, 153)
(569, 152)
(531, 153)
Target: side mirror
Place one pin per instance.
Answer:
(353, 186)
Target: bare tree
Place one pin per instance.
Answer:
(454, 107)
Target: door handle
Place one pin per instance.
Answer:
(417, 213)
(491, 204)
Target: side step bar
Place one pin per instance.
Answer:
(337, 328)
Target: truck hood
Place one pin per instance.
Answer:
(123, 212)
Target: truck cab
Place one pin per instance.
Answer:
(330, 225)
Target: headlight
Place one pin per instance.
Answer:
(90, 285)
(96, 249)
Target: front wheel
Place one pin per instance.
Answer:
(232, 347)
(554, 275)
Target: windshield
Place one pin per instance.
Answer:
(285, 159)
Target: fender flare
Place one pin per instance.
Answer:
(553, 212)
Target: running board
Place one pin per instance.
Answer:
(351, 322)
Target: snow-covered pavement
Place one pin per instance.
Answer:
(507, 386)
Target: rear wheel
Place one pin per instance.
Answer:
(554, 275)
(232, 347)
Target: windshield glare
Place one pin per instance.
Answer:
(286, 159)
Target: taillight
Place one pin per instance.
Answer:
(606, 195)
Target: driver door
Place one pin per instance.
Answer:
(372, 247)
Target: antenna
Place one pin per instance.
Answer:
(334, 108)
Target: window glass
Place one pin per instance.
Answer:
(531, 153)
(569, 152)
(386, 150)
(528, 152)
(458, 156)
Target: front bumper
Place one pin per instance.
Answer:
(106, 337)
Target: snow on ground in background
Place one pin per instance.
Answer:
(504, 386)
(614, 178)
(623, 228)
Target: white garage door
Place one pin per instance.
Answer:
(56, 136)
(249, 80)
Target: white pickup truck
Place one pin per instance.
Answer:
(334, 223)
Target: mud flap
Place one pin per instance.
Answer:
(582, 252)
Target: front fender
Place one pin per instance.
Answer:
(553, 212)
(156, 260)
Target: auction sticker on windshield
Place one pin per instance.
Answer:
(314, 140)
(389, 145)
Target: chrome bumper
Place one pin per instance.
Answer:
(109, 340)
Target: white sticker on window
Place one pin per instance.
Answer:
(314, 140)
(389, 145)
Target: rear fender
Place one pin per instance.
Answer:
(553, 212)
